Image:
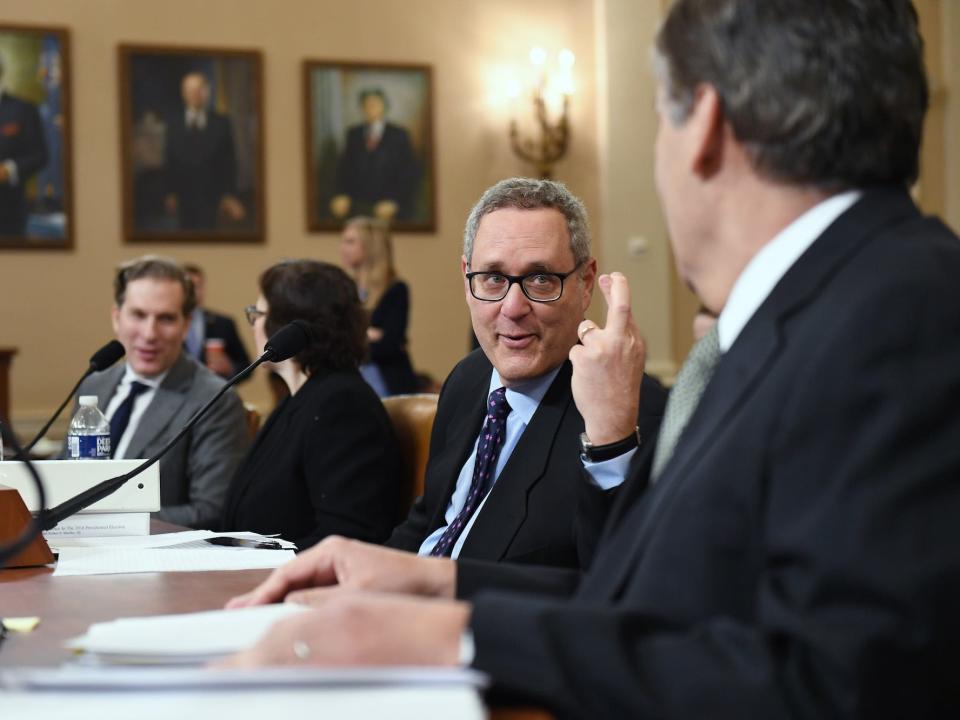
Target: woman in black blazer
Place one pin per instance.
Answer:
(326, 461)
(367, 254)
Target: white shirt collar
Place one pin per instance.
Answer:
(375, 129)
(772, 262)
(130, 376)
(524, 398)
(198, 117)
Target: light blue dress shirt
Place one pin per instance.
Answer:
(524, 401)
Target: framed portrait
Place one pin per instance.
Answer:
(36, 202)
(369, 142)
(191, 124)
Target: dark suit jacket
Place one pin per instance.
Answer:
(200, 168)
(195, 473)
(390, 352)
(326, 462)
(21, 140)
(800, 554)
(222, 327)
(388, 172)
(528, 516)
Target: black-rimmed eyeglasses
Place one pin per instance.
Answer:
(253, 312)
(539, 286)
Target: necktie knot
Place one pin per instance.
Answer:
(497, 406)
(138, 388)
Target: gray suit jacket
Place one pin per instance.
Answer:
(196, 472)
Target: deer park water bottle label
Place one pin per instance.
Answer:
(89, 446)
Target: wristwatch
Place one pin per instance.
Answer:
(599, 453)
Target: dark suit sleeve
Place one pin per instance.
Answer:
(390, 316)
(857, 588)
(475, 576)
(595, 505)
(350, 461)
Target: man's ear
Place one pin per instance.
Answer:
(115, 318)
(708, 132)
(464, 267)
(589, 275)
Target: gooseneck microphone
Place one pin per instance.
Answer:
(100, 360)
(282, 345)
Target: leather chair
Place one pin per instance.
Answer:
(412, 418)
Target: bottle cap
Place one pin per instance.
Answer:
(88, 400)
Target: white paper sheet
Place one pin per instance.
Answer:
(115, 560)
(72, 677)
(155, 541)
(397, 703)
(183, 638)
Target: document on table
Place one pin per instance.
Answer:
(170, 552)
(256, 703)
(187, 638)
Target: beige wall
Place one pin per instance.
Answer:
(950, 67)
(55, 305)
(629, 205)
(45, 313)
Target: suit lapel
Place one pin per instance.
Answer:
(506, 506)
(462, 429)
(739, 371)
(167, 401)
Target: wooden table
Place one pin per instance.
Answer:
(67, 606)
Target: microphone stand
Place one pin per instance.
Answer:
(283, 344)
(111, 485)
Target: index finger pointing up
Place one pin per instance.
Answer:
(616, 292)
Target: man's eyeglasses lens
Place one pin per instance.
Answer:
(541, 287)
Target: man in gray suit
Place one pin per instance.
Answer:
(152, 396)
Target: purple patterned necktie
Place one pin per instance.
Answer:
(488, 450)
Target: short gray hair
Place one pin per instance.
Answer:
(532, 194)
(829, 94)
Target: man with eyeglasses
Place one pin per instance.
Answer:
(150, 397)
(503, 479)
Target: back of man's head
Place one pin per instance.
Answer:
(157, 268)
(531, 194)
(826, 93)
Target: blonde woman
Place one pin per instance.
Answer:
(367, 253)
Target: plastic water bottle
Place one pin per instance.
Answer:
(89, 434)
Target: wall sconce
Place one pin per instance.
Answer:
(550, 90)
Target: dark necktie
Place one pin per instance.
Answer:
(121, 418)
(488, 450)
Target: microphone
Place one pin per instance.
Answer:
(283, 344)
(100, 360)
(288, 341)
(106, 356)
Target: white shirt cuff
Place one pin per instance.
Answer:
(611, 473)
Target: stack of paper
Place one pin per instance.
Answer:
(170, 552)
(190, 638)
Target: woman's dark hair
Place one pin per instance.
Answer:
(325, 297)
